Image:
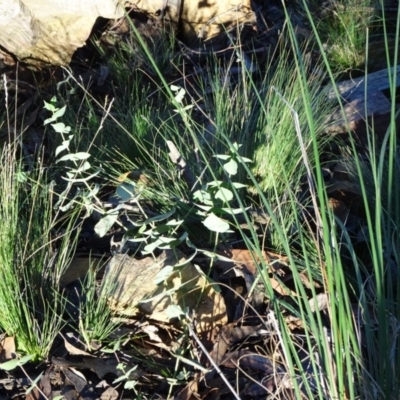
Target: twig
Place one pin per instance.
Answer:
(221, 374)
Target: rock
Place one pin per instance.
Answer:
(199, 20)
(49, 31)
(41, 32)
(152, 285)
(205, 20)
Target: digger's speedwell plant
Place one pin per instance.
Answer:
(79, 174)
(213, 201)
(215, 197)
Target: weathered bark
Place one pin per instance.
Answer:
(364, 103)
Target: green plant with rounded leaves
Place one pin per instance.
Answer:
(80, 173)
(214, 197)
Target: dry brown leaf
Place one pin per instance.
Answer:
(281, 289)
(45, 384)
(43, 391)
(7, 349)
(77, 379)
(249, 359)
(228, 336)
(246, 260)
(152, 332)
(109, 394)
(190, 391)
(101, 366)
(34, 394)
(243, 263)
(74, 350)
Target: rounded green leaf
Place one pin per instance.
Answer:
(224, 194)
(216, 224)
(231, 167)
(60, 127)
(105, 224)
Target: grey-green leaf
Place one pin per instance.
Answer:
(105, 224)
(174, 311)
(12, 364)
(60, 127)
(216, 224)
(180, 95)
(61, 148)
(74, 157)
(238, 185)
(223, 156)
(152, 246)
(162, 217)
(231, 167)
(224, 194)
(88, 178)
(234, 211)
(245, 160)
(49, 106)
(126, 191)
(82, 168)
(59, 113)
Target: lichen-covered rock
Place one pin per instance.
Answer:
(152, 285)
(49, 31)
